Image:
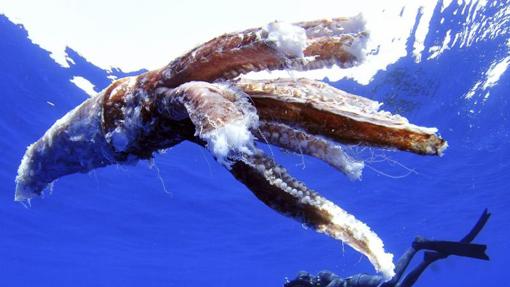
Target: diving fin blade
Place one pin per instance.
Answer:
(454, 248)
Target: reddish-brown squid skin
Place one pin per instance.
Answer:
(344, 129)
(275, 198)
(225, 57)
(320, 109)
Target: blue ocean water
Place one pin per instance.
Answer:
(187, 222)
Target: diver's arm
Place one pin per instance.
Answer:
(400, 268)
(413, 276)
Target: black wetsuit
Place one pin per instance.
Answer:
(358, 280)
(440, 250)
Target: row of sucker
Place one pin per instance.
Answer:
(287, 195)
(299, 141)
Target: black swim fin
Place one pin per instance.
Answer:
(478, 227)
(431, 256)
(453, 248)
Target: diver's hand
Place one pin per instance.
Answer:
(323, 279)
(304, 279)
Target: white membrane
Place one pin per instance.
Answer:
(230, 139)
(289, 39)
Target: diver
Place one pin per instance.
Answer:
(434, 250)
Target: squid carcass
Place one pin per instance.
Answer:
(203, 97)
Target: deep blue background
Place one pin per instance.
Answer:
(118, 227)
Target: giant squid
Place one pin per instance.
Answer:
(204, 97)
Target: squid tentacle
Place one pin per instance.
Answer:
(222, 116)
(321, 109)
(276, 188)
(318, 44)
(299, 141)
